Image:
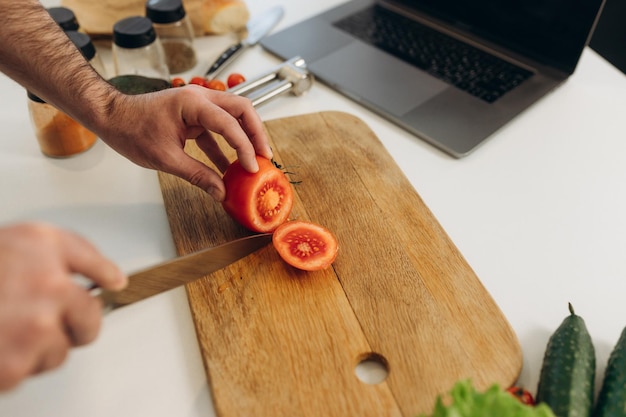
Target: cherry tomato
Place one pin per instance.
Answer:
(216, 84)
(199, 81)
(177, 82)
(234, 79)
(522, 395)
(305, 245)
(261, 201)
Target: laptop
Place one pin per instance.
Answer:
(452, 72)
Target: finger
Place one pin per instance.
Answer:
(33, 330)
(242, 109)
(222, 122)
(43, 344)
(207, 144)
(83, 317)
(248, 122)
(54, 352)
(15, 366)
(85, 259)
(198, 174)
(253, 126)
(13, 372)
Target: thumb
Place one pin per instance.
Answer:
(200, 175)
(83, 258)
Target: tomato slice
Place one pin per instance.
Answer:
(305, 245)
(261, 201)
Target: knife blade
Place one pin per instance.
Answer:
(257, 28)
(180, 271)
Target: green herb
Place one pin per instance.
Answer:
(465, 401)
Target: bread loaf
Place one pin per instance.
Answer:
(224, 16)
(97, 17)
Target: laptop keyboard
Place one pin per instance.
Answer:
(444, 57)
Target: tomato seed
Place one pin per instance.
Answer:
(270, 200)
(303, 245)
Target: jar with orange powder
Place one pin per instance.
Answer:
(59, 135)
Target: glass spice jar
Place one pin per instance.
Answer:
(86, 47)
(64, 17)
(137, 49)
(175, 31)
(59, 135)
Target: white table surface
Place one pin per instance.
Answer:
(539, 212)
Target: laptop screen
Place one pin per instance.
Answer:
(552, 32)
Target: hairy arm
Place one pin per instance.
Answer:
(37, 54)
(148, 129)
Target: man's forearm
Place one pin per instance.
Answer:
(36, 54)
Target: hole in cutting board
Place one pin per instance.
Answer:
(372, 369)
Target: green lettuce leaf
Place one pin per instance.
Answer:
(465, 401)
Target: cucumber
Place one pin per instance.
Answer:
(566, 381)
(612, 398)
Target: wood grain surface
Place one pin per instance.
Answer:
(281, 342)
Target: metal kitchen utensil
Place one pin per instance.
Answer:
(290, 76)
(180, 271)
(257, 28)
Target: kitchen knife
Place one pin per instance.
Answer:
(257, 28)
(179, 271)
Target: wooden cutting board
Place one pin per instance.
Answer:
(281, 342)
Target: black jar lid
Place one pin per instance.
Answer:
(83, 43)
(64, 18)
(165, 11)
(133, 32)
(33, 97)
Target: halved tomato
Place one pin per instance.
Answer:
(261, 201)
(305, 245)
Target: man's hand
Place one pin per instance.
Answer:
(43, 312)
(151, 130)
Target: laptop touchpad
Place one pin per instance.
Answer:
(365, 73)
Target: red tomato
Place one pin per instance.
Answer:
(215, 84)
(234, 79)
(177, 82)
(305, 245)
(522, 394)
(261, 201)
(199, 81)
